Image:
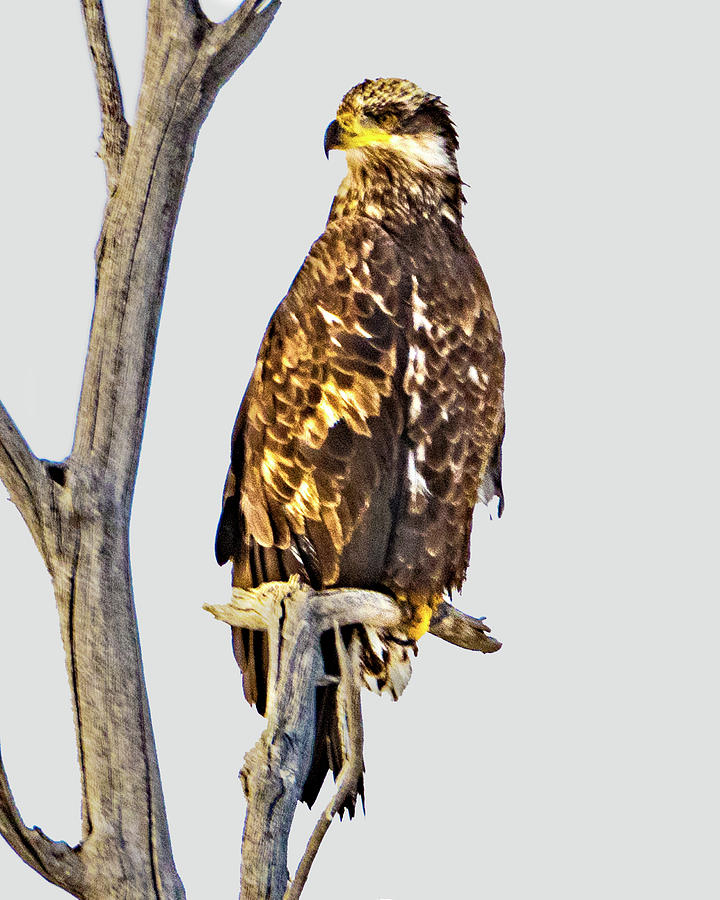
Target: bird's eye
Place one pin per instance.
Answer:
(386, 119)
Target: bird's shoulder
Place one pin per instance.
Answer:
(354, 267)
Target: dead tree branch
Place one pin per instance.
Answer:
(463, 630)
(349, 696)
(54, 860)
(114, 136)
(233, 40)
(22, 474)
(275, 769)
(78, 510)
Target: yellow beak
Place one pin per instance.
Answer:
(338, 137)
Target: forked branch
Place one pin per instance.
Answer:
(275, 769)
(349, 698)
(231, 42)
(79, 511)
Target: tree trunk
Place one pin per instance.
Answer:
(78, 511)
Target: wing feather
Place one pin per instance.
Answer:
(321, 411)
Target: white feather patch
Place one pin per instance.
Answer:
(330, 318)
(418, 485)
(390, 659)
(426, 151)
(414, 407)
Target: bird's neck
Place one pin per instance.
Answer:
(398, 195)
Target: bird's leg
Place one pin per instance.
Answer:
(350, 708)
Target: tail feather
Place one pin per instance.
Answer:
(329, 747)
(252, 649)
(385, 660)
(327, 750)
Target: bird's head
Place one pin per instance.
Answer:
(392, 118)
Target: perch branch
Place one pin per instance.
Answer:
(463, 630)
(275, 770)
(23, 475)
(254, 607)
(349, 696)
(114, 137)
(54, 860)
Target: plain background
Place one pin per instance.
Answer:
(581, 760)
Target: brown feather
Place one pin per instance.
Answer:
(374, 416)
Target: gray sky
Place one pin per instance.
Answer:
(580, 760)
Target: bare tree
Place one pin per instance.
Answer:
(78, 512)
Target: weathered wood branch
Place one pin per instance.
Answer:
(463, 630)
(54, 860)
(187, 61)
(233, 40)
(349, 696)
(78, 510)
(114, 135)
(275, 769)
(23, 475)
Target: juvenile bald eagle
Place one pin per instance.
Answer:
(373, 421)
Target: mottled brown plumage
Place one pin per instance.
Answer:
(373, 420)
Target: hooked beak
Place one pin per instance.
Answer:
(332, 137)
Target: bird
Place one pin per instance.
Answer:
(374, 418)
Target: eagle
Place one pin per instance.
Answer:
(374, 418)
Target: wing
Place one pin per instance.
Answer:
(453, 384)
(316, 437)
